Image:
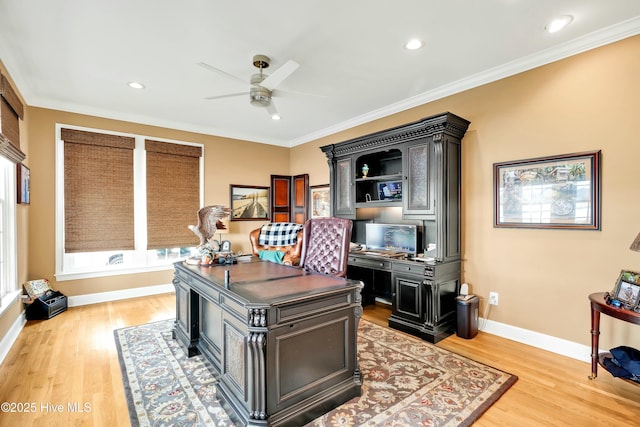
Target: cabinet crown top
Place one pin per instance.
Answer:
(448, 123)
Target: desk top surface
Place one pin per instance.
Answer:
(258, 281)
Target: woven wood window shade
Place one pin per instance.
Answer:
(173, 194)
(11, 109)
(9, 124)
(98, 191)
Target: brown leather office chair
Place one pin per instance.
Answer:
(291, 252)
(326, 245)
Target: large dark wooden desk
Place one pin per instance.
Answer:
(282, 341)
(599, 305)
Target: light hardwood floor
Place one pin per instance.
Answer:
(72, 360)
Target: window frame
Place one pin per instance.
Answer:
(139, 261)
(9, 289)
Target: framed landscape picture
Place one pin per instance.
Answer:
(249, 203)
(561, 191)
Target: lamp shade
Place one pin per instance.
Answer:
(635, 246)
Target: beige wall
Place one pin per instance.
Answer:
(227, 161)
(586, 102)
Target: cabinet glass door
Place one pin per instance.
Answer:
(420, 194)
(343, 189)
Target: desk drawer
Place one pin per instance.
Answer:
(378, 264)
(417, 269)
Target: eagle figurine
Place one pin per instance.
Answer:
(209, 221)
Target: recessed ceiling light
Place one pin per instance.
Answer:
(136, 85)
(559, 23)
(414, 44)
(275, 116)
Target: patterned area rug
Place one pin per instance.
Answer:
(406, 382)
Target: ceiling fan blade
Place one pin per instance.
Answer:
(288, 92)
(229, 95)
(271, 109)
(280, 74)
(219, 71)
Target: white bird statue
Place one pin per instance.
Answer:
(209, 221)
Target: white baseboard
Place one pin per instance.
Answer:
(11, 336)
(78, 300)
(535, 339)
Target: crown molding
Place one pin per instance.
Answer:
(573, 47)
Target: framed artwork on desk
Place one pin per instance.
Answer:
(627, 289)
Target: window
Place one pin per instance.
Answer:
(11, 111)
(124, 202)
(172, 175)
(8, 246)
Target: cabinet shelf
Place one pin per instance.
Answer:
(380, 178)
(381, 164)
(601, 362)
(379, 203)
(382, 190)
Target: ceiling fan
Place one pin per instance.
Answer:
(261, 86)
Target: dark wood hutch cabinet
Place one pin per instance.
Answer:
(419, 164)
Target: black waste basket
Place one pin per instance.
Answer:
(467, 316)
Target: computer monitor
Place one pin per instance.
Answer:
(393, 237)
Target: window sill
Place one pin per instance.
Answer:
(8, 300)
(61, 277)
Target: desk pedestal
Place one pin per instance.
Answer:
(422, 294)
(282, 341)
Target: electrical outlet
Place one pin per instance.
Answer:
(493, 298)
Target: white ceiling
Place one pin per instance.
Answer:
(79, 55)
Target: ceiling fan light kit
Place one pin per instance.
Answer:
(260, 96)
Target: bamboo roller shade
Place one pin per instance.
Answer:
(98, 191)
(11, 109)
(173, 194)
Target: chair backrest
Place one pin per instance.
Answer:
(292, 252)
(326, 245)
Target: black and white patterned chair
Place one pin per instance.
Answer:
(284, 239)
